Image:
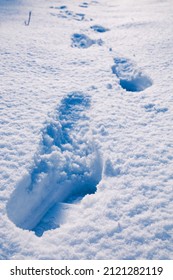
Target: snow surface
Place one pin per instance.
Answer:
(86, 129)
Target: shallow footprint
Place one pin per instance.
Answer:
(82, 41)
(99, 28)
(84, 5)
(67, 14)
(155, 108)
(67, 167)
(131, 79)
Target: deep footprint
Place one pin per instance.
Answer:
(83, 41)
(131, 79)
(67, 167)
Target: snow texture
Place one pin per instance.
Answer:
(86, 126)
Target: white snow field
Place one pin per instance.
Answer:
(86, 134)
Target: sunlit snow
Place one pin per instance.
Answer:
(86, 150)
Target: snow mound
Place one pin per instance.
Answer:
(67, 167)
(131, 79)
